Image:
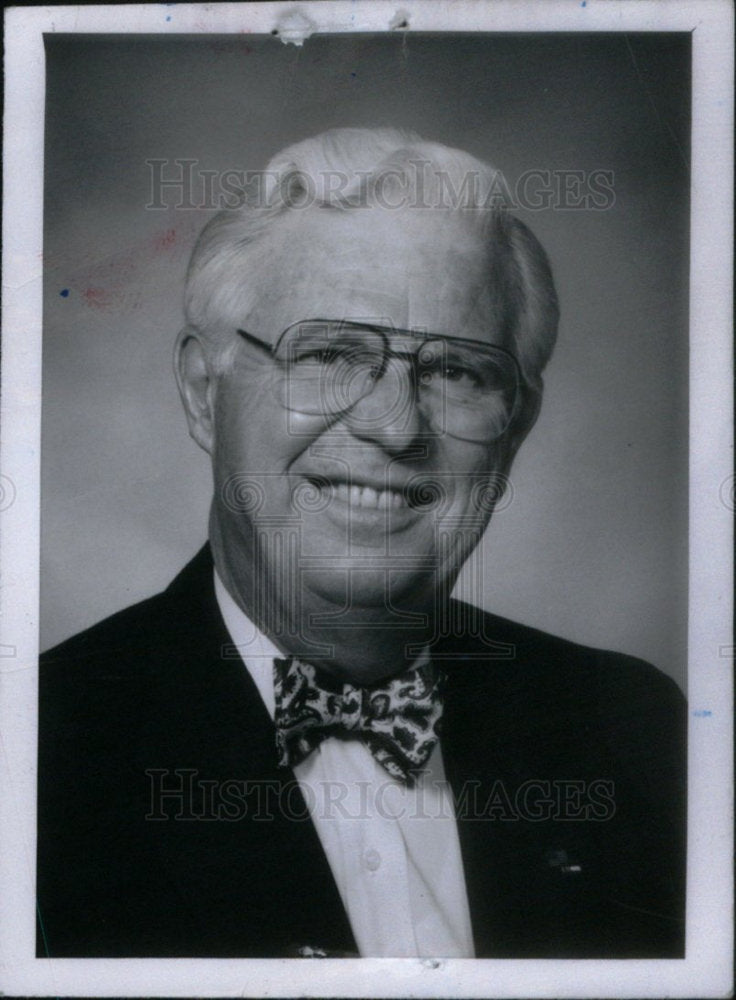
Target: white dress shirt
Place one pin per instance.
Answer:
(393, 850)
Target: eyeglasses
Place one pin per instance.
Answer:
(462, 388)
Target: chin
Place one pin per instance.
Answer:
(371, 594)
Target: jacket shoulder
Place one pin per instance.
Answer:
(117, 632)
(572, 699)
(542, 657)
(145, 629)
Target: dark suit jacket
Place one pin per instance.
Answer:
(566, 764)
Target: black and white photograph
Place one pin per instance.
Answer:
(367, 501)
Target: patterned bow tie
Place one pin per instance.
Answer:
(398, 720)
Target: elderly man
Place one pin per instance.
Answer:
(305, 746)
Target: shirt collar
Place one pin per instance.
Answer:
(256, 650)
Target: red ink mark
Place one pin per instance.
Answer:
(163, 241)
(98, 298)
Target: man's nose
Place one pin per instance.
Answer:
(389, 413)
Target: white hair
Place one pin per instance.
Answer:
(344, 169)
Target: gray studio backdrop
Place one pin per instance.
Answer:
(593, 545)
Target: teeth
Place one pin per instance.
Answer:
(366, 496)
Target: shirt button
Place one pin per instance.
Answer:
(372, 860)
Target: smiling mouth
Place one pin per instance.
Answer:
(368, 497)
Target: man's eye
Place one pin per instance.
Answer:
(343, 358)
(318, 356)
(456, 374)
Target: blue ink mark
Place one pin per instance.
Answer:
(353, 75)
(702, 713)
(584, 3)
(168, 17)
(64, 293)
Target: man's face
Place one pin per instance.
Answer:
(321, 500)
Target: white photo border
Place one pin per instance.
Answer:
(707, 968)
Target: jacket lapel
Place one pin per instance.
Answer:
(537, 886)
(264, 863)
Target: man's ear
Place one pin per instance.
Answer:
(524, 420)
(196, 383)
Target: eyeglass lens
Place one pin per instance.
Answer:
(465, 389)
